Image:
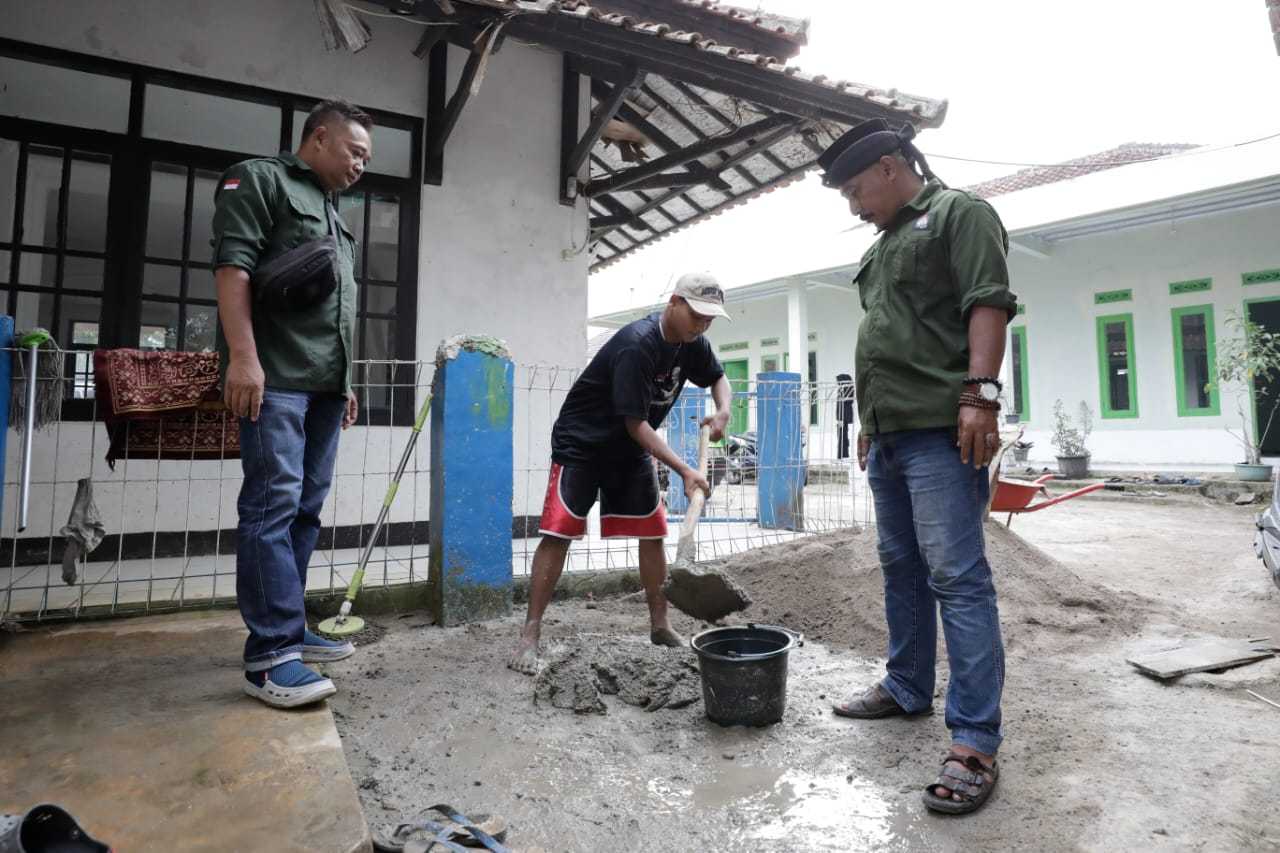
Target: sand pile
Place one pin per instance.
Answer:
(830, 587)
(639, 673)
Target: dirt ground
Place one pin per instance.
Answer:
(1096, 756)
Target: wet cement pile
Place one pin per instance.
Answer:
(830, 587)
(586, 669)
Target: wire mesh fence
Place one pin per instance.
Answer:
(170, 522)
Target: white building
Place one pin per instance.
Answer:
(516, 144)
(1126, 276)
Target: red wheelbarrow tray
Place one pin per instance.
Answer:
(1015, 496)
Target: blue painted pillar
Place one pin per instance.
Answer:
(682, 437)
(471, 481)
(779, 452)
(6, 383)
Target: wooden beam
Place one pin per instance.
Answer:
(684, 178)
(603, 114)
(613, 205)
(431, 35)
(621, 213)
(632, 117)
(438, 136)
(798, 97)
(570, 105)
(716, 113)
(697, 133)
(437, 103)
(634, 175)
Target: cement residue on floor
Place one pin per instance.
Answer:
(1096, 756)
(583, 670)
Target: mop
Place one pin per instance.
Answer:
(344, 624)
(704, 594)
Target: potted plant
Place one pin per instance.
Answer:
(1250, 356)
(1020, 451)
(1073, 455)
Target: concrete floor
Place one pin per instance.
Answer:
(140, 729)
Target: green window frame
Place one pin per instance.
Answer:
(1189, 406)
(1021, 384)
(1119, 398)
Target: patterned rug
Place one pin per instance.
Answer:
(163, 405)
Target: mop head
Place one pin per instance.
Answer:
(49, 387)
(341, 626)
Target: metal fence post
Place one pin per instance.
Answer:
(6, 384)
(779, 451)
(682, 437)
(471, 481)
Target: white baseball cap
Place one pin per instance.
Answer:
(703, 293)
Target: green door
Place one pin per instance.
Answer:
(738, 374)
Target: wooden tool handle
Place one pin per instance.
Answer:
(699, 498)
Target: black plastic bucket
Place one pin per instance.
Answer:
(744, 673)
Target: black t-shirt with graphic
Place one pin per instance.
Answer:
(635, 374)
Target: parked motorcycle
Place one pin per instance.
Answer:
(1266, 544)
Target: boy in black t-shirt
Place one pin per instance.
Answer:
(604, 442)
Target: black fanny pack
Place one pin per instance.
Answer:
(302, 277)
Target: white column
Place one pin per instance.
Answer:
(798, 330)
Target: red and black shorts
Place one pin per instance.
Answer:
(629, 500)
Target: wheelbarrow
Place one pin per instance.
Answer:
(1016, 496)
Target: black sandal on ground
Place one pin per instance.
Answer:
(969, 781)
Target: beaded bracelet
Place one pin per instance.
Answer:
(968, 398)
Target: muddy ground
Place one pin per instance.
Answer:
(1096, 757)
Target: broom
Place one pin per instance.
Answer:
(344, 624)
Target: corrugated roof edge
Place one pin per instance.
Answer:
(925, 112)
(715, 211)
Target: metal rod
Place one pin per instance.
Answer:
(24, 485)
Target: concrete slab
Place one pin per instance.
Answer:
(140, 729)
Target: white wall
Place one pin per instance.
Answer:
(496, 247)
(1062, 342)
(1058, 292)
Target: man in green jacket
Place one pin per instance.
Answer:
(935, 291)
(287, 375)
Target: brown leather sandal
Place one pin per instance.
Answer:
(969, 781)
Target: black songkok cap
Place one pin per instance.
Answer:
(863, 145)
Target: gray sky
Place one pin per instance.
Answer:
(1027, 81)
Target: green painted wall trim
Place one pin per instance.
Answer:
(769, 342)
(1185, 410)
(1261, 276)
(1193, 286)
(1131, 372)
(736, 346)
(1020, 342)
(1108, 296)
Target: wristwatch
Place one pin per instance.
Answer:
(988, 387)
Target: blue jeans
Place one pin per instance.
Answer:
(929, 509)
(288, 457)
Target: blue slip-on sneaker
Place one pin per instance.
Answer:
(288, 685)
(316, 649)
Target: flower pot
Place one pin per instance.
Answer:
(1020, 454)
(1073, 467)
(1253, 473)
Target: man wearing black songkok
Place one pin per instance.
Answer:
(935, 292)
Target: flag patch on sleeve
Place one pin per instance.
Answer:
(231, 184)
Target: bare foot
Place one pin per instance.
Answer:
(525, 659)
(664, 636)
